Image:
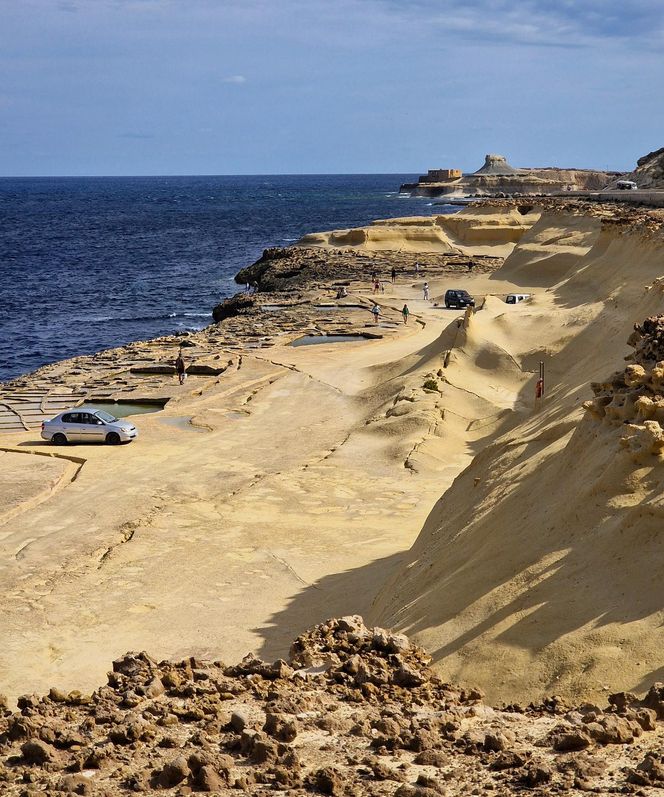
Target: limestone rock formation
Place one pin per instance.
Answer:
(497, 165)
(497, 177)
(635, 396)
(239, 304)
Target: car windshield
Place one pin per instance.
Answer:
(105, 416)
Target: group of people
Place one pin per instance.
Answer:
(379, 286)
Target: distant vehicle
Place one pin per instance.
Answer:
(626, 185)
(88, 425)
(515, 298)
(456, 297)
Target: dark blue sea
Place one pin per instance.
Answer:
(91, 263)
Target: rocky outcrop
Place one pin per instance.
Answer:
(325, 260)
(354, 711)
(497, 165)
(634, 397)
(240, 304)
(649, 172)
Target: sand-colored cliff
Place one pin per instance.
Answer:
(537, 571)
(475, 230)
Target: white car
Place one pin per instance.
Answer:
(515, 298)
(87, 425)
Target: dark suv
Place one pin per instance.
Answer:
(458, 298)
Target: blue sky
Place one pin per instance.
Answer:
(122, 87)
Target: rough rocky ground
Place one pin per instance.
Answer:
(293, 266)
(354, 711)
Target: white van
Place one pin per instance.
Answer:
(515, 298)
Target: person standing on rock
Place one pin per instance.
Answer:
(376, 286)
(180, 368)
(405, 312)
(425, 291)
(417, 269)
(376, 312)
(394, 275)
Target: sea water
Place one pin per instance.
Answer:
(91, 263)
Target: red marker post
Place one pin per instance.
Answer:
(539, 385)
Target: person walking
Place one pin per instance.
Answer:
(425, 291)
(417, 269)
(376, 286)
(180, 368)
(394, 275)
(405, 312)
(376, 313)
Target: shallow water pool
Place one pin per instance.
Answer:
(121, 409)
(313, 340)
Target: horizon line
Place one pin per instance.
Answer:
(234, 174)
(275, 174)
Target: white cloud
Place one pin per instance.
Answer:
(238, 80)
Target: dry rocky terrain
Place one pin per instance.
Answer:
(353, 711)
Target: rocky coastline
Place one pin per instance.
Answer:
(293, 293)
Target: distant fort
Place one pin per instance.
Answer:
(498, 177)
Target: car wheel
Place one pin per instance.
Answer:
(113, 438)
(59, 439)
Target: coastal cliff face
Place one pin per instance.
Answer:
(473, 230)
(527, 181)
(535, 572)
(497, 176)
